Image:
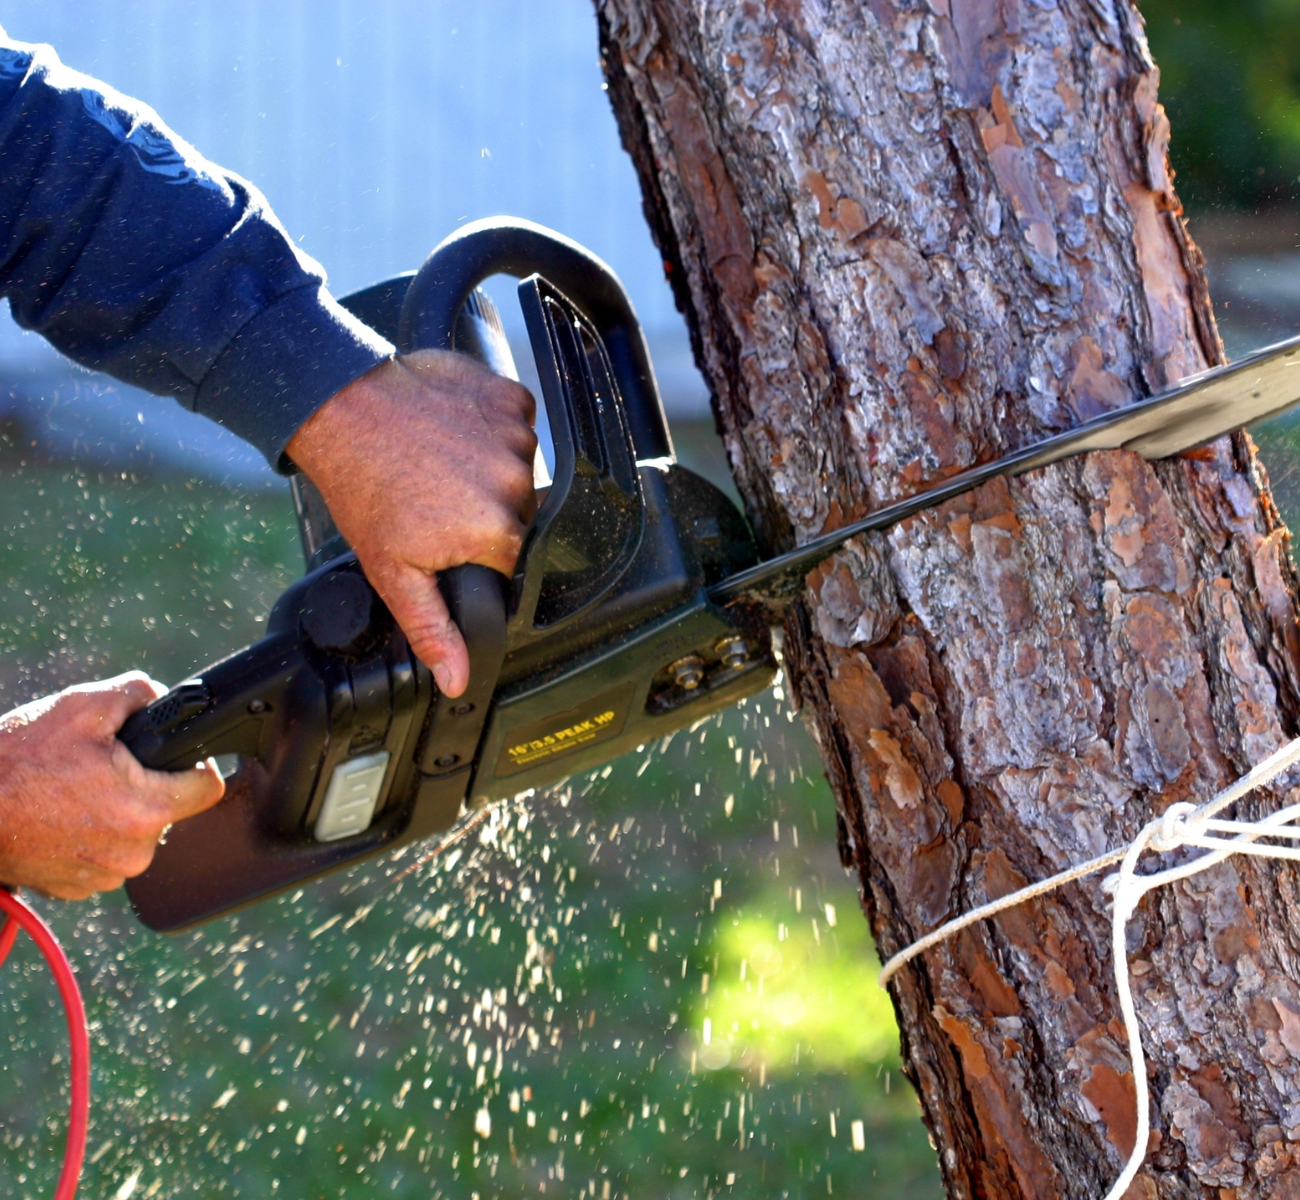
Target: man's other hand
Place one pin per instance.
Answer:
(425, 463)
(78, 813)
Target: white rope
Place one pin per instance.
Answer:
(1180, 825)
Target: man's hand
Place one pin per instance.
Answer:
(425, 463)
(78, 813)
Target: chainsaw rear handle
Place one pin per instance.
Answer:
(188, 724)
(283, 707)
(249, 703)
(509, 246)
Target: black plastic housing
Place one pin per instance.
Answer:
(604, 640)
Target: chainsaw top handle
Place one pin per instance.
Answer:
(510, 246)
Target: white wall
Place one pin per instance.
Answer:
(375, 127)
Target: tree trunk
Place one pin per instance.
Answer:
(911, 236)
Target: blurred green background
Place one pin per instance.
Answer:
(654, 982)
(1230, 81)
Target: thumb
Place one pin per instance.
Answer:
(173, 795)
(105, 704)
(186, 793)
(417, 606)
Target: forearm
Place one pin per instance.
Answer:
(136, 256)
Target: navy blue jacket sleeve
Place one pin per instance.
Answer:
(134, 255)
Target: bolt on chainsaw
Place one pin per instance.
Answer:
(639, 604)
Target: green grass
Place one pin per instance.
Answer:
(1279, 450)
(108, 573)
(338, 1043)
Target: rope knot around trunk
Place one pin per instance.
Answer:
(1169, 832)
(1180, 826)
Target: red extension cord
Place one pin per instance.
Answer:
(17, 915)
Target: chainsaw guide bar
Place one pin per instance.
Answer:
(1195, 411)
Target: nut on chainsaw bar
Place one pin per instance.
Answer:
(733, 652)
(688, 672)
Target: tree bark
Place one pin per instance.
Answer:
(909, 236)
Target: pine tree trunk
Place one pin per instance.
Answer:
(909, 236)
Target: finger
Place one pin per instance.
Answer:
(521, 401)
(183, 794)
(84, 891)
(519, 490)
(77, 884)
(520, 440)
(63, 891)
(497, 537)
(135, 683)
(109, 702)
(159, 689)
(528, 508)
(131, 859)
(493, 391)
(417, 606)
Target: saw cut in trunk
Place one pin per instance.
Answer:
(912, 236)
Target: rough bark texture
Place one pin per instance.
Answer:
(910, 236)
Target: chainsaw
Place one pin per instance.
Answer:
(639, 604)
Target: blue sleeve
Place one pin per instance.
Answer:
(134, 255)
